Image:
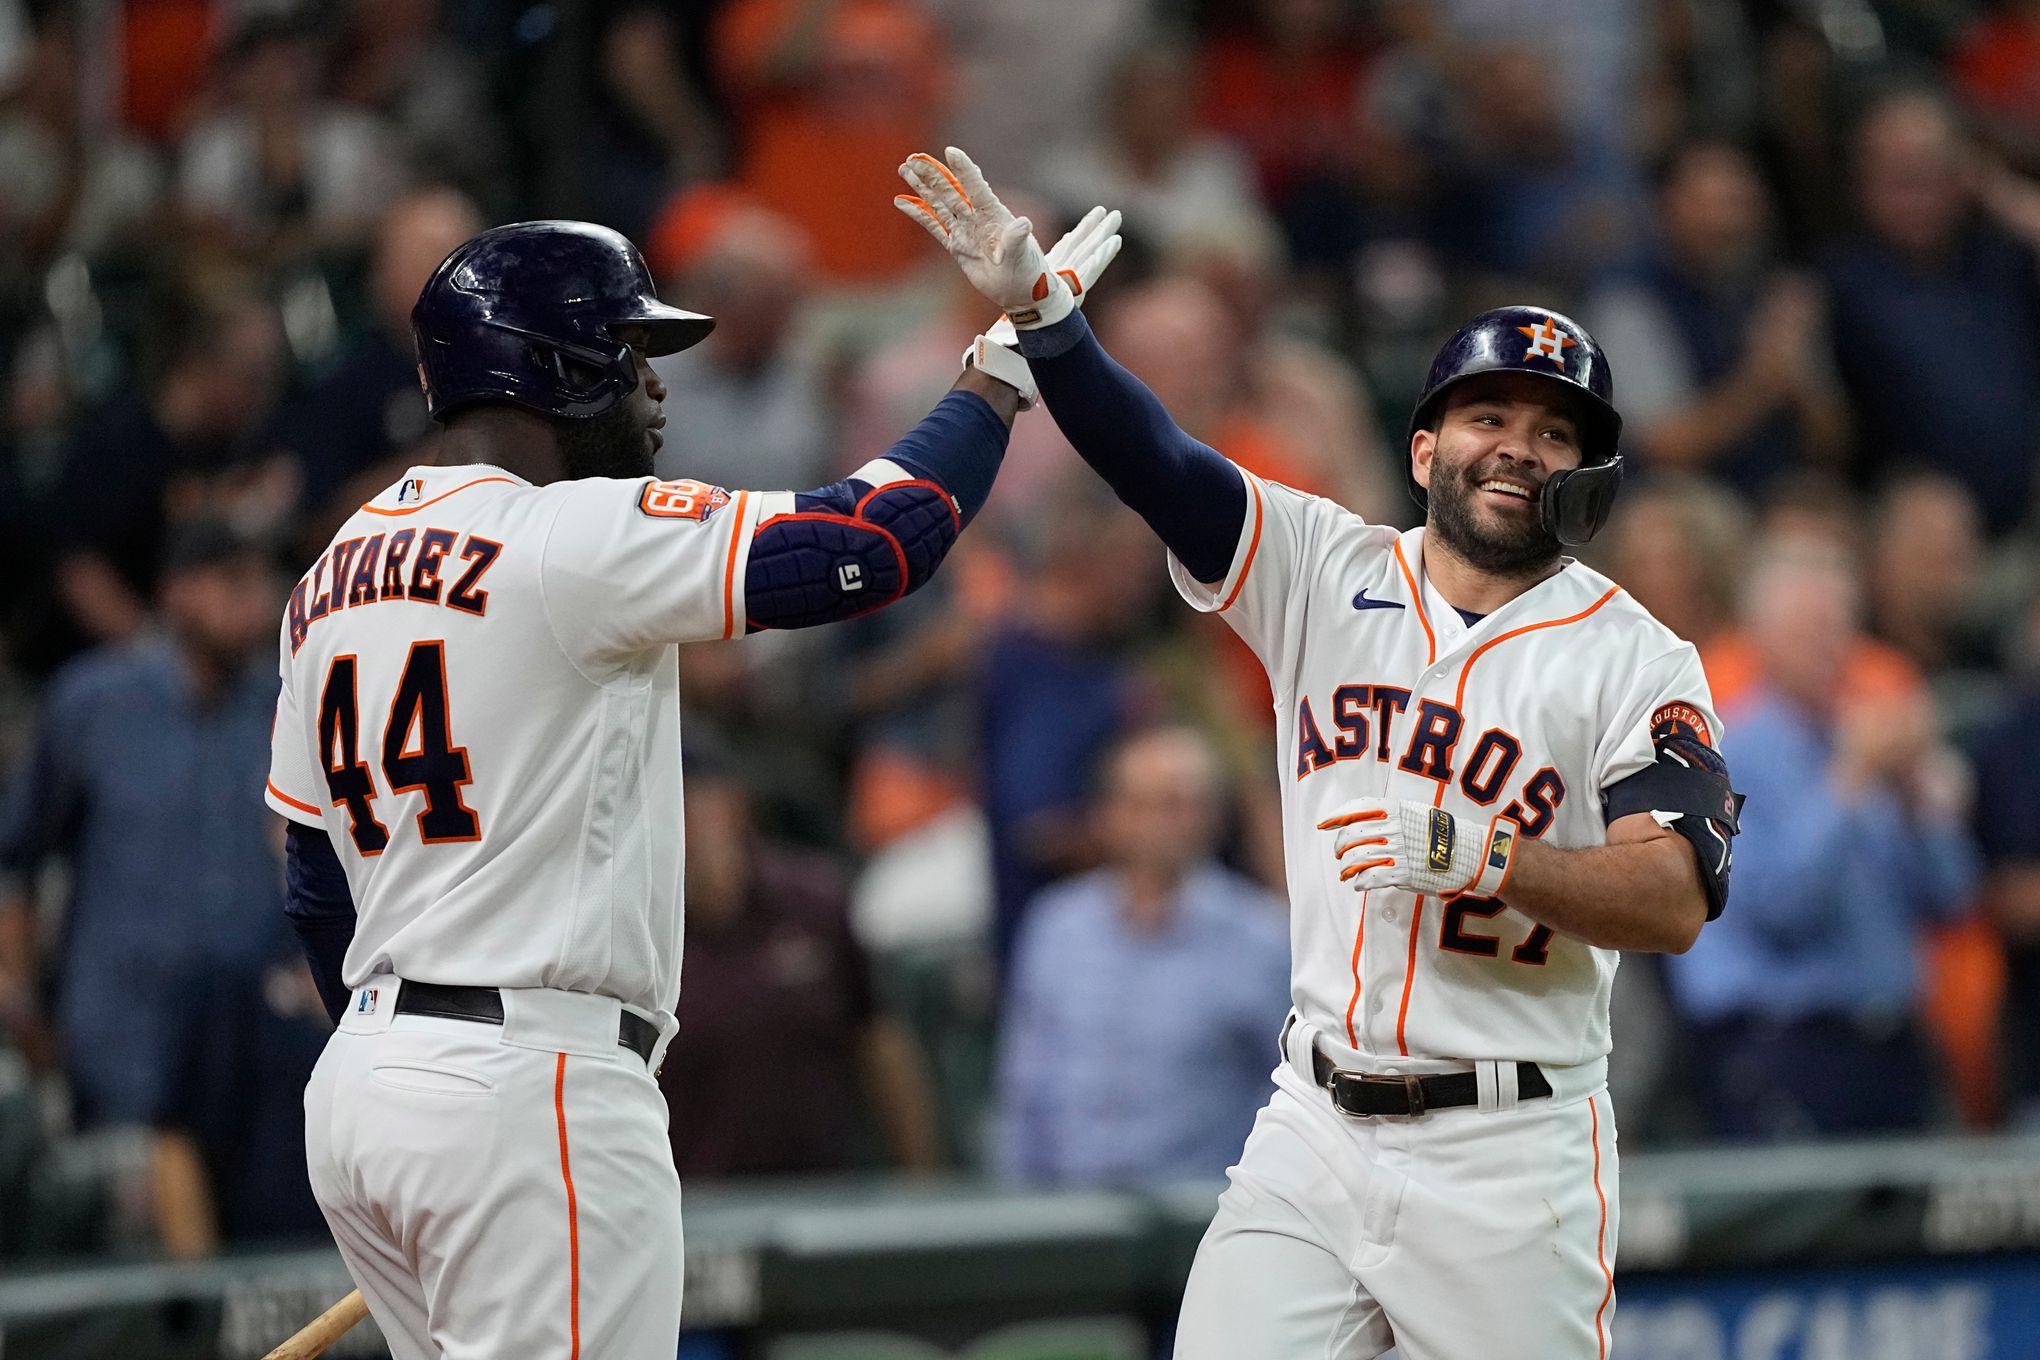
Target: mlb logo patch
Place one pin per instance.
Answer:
(365, 1003)
(410, 489)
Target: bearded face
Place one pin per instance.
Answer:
(622, 441)
(1499, 438)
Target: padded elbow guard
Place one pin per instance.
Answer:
(846, 550)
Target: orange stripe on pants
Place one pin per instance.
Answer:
(573, 1217)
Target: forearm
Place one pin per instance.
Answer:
(1642, 895)
(185, 1220)
(321, 910)
(897, 1083)
(1189, 493)
(1697, 434)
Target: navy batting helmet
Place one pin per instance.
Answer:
(1535, 340)
(528, 314)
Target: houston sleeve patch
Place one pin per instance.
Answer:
(682, 498)
(1679, 720)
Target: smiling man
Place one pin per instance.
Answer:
(1497, 771)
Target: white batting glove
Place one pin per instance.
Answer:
(1398, 843)
(996, 250)
(1078, 259)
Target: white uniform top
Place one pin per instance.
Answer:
(481, 707)
(1381, 690)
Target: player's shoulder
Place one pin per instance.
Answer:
(1617, 613)
(1323, 515)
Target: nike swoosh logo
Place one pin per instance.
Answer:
(1360, 601)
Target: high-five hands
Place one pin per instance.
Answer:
(996, 250)
(1397, 843)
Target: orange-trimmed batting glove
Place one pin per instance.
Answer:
(1078, 259)
(1398, 843)
(996, 250)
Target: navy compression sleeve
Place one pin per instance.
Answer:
(958, 446)
(321, 910)
(1190, 494)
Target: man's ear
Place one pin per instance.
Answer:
(1423, 444)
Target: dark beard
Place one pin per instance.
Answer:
(1504, 551)
(612, 444)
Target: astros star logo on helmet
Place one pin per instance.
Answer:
(1547, 342)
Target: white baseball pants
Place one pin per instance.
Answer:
(499, 1190)
(1482, 1231)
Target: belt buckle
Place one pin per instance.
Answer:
(1412, 1087)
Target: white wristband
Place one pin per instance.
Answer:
(997, 361)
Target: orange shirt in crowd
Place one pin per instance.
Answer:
(821, 136)
(1998, 65)
(1875, 670)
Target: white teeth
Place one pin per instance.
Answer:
(1506, 488)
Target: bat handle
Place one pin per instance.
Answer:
(323, 1330)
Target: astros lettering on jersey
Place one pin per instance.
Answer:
(1382, 690)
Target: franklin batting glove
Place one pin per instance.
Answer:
(1398, 843)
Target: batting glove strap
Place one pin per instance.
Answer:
(997, 361)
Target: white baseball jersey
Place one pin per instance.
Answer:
(480, 705)
(1382, 690)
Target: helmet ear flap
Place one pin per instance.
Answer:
(1576, 502)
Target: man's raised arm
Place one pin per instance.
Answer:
(1192, 496)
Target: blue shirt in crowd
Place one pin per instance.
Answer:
(1943, 364)
(154, 801)
(1129, 1056)
(1827, 894)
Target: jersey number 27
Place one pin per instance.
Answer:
(417, 751)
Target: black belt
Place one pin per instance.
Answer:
(484, 1005)
(1370, 1093)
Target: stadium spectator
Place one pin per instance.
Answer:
(1725, 360)
(753, 407)
(354, 429)
(228, 1153)
(1926, 566)
(1678, 548)
(1149, 160)
(782, 1037)
(1280, 87)
(70, 188)
(2006, 751)
(1146, 996)
(828, 97)
(1176, 335)
(1056, 685)
(1804, 997)
(1293, 387)
(278, 171)
(1935, 314)
(188, 436)
(1996, 67)
(1031, 109)
(648, 128)
(393, 58)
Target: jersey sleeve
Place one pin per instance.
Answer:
(1260, 595)
(634, 564)
(296, 784)
(1667, 696)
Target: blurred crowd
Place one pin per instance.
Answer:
(991, 881)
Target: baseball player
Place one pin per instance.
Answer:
(477, 746)
(1497, 771)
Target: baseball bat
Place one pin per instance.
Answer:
(323, 1330)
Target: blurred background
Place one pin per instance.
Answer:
(987, 949)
